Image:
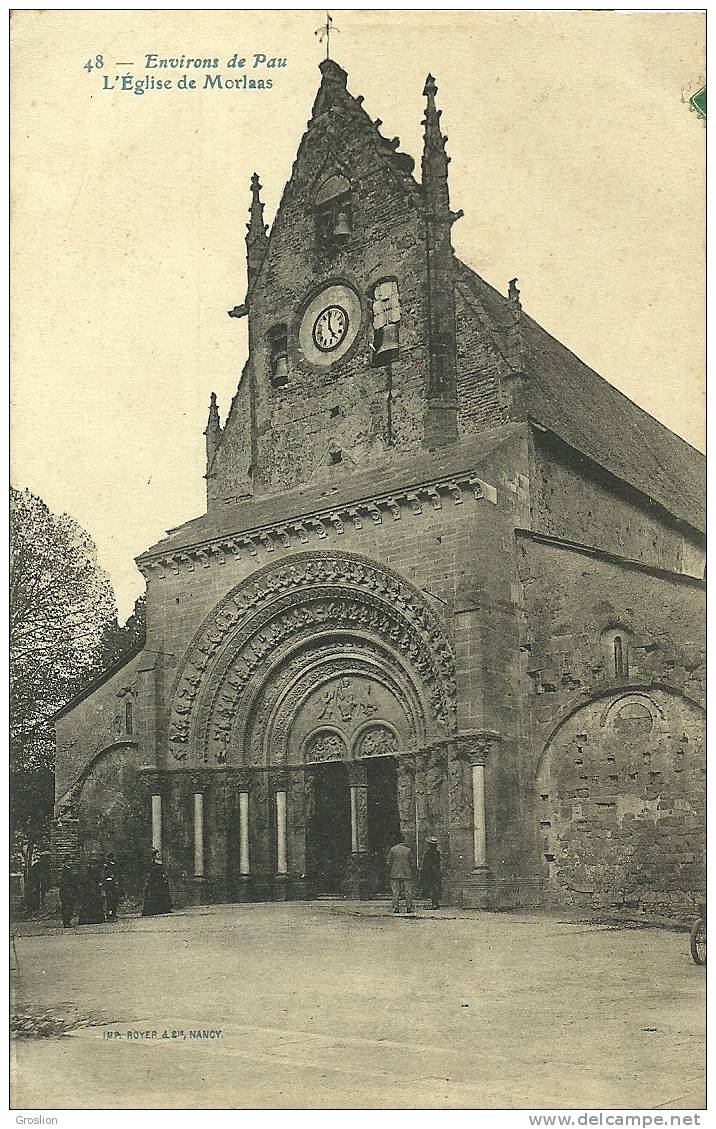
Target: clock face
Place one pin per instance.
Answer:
(330, 328)
(329, 324)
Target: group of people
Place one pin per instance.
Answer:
(94, 891)
(401, 874)
(94, 888)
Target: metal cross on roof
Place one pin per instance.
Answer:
(324, 32)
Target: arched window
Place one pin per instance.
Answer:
(278, 355)
(129, 716)
(615, 652)
(334, 211)
(618, 656)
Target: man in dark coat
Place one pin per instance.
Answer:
(68, 893)
(112, 889)
(156, 892)
(43, 875)
(90, 896)
(431, 879)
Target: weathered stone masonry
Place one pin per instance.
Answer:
(449, 582)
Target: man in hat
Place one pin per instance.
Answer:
(90, 894)
(431, 879)
(400, 872)
(111, 888)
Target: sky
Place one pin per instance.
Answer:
(575, 157)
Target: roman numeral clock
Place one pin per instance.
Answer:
(330, 324)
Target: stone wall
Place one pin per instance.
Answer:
(461, 557)
(574, 500)
(606, 784)
(481, 372)
(362, 408)
(101, 804)
(357, 406)
(230, 476)
(449, 553)
(112, 812)
(622, 805)
(96, 722)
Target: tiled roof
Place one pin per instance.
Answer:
(586, 412)
(387, 477)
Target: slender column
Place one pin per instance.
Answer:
(354, 818)
(281, 858)
(478, 813)
(358, 780)
(244, 860)
(475, 746)
(157, 822)
(198, 834)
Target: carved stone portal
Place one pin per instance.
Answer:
(260, 629)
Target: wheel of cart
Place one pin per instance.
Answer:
(698, 937)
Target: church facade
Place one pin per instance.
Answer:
(449, 583)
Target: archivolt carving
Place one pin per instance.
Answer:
(363, 662)
(321, 593)
(265, 714)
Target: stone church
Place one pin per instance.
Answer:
(449, 583)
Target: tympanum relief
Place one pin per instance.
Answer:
(348, 717)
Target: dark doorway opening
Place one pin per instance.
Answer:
(330, 835)
(383, 816)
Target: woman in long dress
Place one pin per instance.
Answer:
(156, 892)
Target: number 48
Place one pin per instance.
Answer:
(97, 65)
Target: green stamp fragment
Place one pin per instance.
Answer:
(698, 102)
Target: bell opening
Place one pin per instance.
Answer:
(342, 227)
(279, 375)
(387, 345)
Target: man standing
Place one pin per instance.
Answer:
(90, 894)
(431, 879)
(400, 871)
(68, 893)
(112, 890)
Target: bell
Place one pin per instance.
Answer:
(341, 227)
(386, 345)
(280, 371)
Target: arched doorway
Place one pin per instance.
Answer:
(328, 834)
(347, 725)
(383, 817)
(322, 660)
